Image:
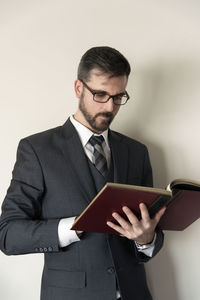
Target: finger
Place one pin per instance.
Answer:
(144, 212)
(130, 215)
(116, 227)
(159, 214)
(79, 231)
(124, 224)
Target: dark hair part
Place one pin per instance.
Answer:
(105, 59)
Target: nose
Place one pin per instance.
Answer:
(109, 105)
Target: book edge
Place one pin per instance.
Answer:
(184, 181)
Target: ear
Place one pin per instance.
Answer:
(78, 87)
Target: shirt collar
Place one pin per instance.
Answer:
(85, 133)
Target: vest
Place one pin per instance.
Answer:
(100, 180)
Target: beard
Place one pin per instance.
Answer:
(97, 126)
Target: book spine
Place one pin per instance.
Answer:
(162, 200)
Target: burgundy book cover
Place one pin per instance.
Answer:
(180, 213)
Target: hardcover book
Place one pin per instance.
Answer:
(182, 200)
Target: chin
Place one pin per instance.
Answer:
(101, 127)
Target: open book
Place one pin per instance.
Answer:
(182, 201)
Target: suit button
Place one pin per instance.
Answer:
(41, 249)
(111, 270)
(36, 249)
(50, 249)
(45, 249)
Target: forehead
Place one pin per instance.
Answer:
(104, 81)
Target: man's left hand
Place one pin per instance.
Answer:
(142, 231)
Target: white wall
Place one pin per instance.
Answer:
(41, 44)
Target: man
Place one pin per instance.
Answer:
(59, 171)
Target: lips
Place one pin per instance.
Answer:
(105, 115)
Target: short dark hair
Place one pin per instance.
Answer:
(105, 59)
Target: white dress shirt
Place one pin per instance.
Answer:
(65, 235)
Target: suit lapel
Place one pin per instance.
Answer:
(76, 159)
(119, 151)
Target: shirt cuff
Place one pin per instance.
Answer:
(66, 236)
(148, 251)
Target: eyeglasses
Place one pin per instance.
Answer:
(103, 97)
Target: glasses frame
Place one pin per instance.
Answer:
(109, 96)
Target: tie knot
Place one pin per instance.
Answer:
(96, 140)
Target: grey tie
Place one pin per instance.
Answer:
(99, 156)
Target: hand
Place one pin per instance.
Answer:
(142, 231)
(79, 233)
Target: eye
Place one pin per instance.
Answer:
(100, 95)
(118, 97)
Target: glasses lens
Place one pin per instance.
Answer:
(120, 100)
(100, 97)
(103, 97)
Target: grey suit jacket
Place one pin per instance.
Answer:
(51, 180)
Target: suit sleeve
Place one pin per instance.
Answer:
(147, 180)
(22, 229)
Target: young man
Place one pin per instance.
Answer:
(59, 171)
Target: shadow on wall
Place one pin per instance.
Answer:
(161, 274)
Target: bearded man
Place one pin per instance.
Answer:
(56, 175)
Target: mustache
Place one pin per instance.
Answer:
(105, 114)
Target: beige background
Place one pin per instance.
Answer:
(41, 44)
